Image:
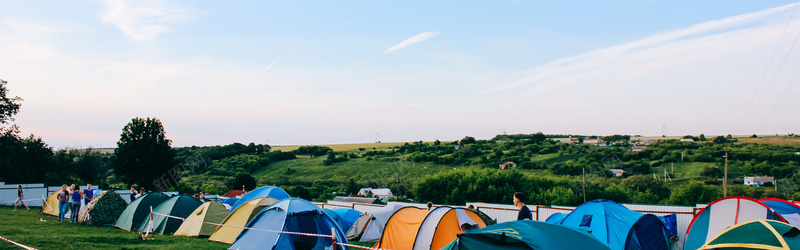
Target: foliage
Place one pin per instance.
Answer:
(244, 180)
(9, 106)
(693, 193)
(143, 153)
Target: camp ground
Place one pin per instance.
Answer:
(201, 222)
(239, 218)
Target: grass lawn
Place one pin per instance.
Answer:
(26, 228)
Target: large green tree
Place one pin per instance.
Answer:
(9, 106)
(144, 154)
(21, 159)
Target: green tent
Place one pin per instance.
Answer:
(180, 206)
(526, 234)
(757, 234)
(195, 225)
(103, 210)
(135, 213)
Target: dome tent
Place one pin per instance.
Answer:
(103, 209)
(239, 218)
(344, 217)
(369, 225)
(137, 210)
(724, 213)
(180, 206)
(415, 228)
(194, 225)
(526, 234)
(757, 234)
(617, 226)
(788, 210)
(290, 215)
(265, 191)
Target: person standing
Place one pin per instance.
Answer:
(524, 211)
(20, 198)
(141, 192)
(134, 194)
(76, 203)
(63, 196)
(88, 194)
(202, 196)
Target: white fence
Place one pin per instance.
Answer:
(32, 193)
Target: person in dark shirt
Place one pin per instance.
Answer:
(20, 198)
(524, 212)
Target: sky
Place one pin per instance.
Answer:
(330, 72)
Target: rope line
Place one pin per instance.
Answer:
(17, 244)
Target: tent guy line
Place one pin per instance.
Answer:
(271, 231)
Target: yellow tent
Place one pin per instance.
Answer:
(414, 228)
(50, 205)
(239, 217)
(213, 212)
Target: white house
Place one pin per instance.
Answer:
(687, 140)
(617, 172)
(382, 193)
(758, 180)
(508, 165)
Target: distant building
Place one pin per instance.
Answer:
(236, 193)
(617, 172)
(637, 148)
(381, 193)
(596, 142)
(508, 164)
(687, 140)
(758, 180)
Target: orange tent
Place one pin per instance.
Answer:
(415, 228)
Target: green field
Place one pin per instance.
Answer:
(346, 147)
(26, 228)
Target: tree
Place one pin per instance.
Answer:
(719, 140)
(244, 180)
(9, 106)
(352, 188)
(702, 137)
(143, 153)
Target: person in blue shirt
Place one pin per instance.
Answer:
(524, 212)
(75, 203)
(88, 194)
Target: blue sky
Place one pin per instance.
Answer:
(323, 72)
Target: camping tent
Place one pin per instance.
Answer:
(197, 222)
(103, 209)
(757, 234)
(526, 234)
(137, 210)
(265, 191)
(723, 213)
(239, 218)
(50, 205)
(787, 209)
(556, 218)
(426, 229)
(344, 217)
(617, 226)
(290, 215)
(369, 225)
(180, 206)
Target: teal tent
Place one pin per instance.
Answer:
(180, 206)
(526, 234)
(135, 213)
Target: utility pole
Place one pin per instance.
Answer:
(725, 180)
(584, 185)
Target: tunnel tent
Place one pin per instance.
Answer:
(180, 206)
(138, 210)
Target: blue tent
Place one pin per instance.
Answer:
(229, 201)
(265, 191)
(290, 215)
(556, 217)
(344, 217)
(525, 234)
(787, 209)
(617, 226)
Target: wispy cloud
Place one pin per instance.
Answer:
(144, 20)
(412, 40)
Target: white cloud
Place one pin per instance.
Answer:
(414, 39)
(144, 20)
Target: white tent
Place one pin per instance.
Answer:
(375, 221)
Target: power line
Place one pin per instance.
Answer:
(766, 70)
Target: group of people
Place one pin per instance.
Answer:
(72, 196)
(136, 194)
